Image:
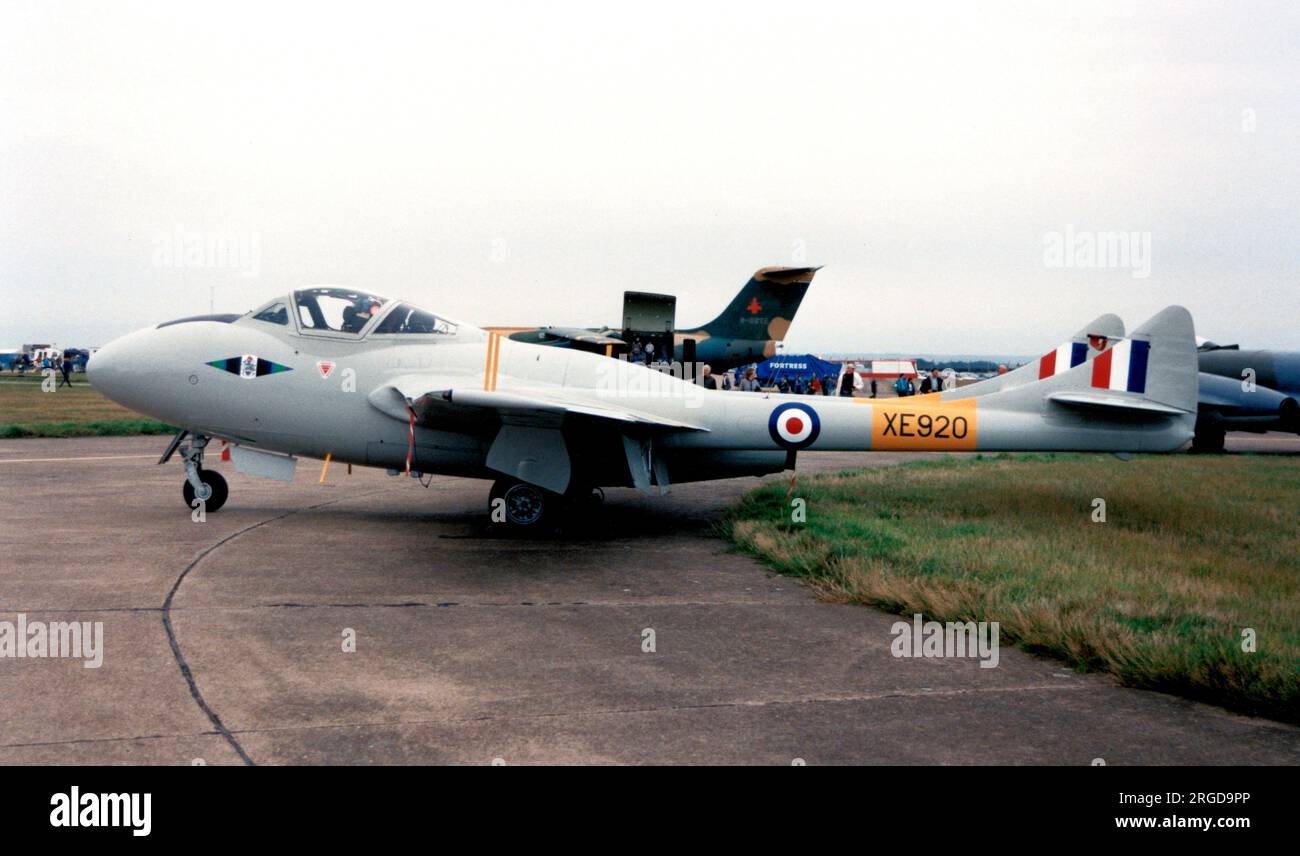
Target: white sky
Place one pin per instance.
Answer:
(526, 163)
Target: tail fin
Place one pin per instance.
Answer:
(1082, 346)
(1154, 370)
(765, 307)
(1171, 369)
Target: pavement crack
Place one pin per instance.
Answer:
(186, 671)
(77, 740)
(721, 705)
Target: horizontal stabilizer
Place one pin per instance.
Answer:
(1113, 403)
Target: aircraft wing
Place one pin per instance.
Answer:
(535, 409)
(525, 426)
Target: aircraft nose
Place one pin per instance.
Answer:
(103, 368)
(116, 370)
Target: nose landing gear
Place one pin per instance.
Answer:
(205, 486)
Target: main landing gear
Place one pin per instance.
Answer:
(518, 507)
(206, 486)
(1210, 434)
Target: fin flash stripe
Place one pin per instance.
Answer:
(1062, 359)
(1123, 368)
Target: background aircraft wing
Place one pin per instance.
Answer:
(557, 335)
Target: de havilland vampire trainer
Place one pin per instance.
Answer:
(339, 374)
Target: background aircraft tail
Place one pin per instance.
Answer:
(1084, 345)
(765, 307)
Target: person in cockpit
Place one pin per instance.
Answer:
(358, 315)
(352, 320)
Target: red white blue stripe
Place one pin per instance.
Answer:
(1122, 368)
(1062, 359)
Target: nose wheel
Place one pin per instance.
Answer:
(206, 486)
(212, 491)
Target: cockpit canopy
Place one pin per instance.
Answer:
(405, 318)
(336, 309)
(332, 311)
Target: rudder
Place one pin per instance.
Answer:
(765, 306)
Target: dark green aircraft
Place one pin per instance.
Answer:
(747, 331)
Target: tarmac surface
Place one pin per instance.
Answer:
(224, 639)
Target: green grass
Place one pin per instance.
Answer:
(1194, 550)
(27, 410)
(95, 428)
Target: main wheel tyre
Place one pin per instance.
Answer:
(1209, 438)
(216, 483)
(520, 506)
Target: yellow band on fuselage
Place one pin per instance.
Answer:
(923, 424)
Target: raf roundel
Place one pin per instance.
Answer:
(794, 426)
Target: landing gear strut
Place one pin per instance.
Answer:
(205, 486)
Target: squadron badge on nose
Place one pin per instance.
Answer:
(249, 366)
(794, 426)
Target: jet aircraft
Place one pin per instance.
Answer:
(1245, 391)
(747, 331)
(339, 374)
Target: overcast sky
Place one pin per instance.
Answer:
(526, 163)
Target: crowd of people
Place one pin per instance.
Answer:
(64, 365)
(850, 382)
(645, 352)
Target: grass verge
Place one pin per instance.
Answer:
(96, 428)
(34, 406)
(1194, 552)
